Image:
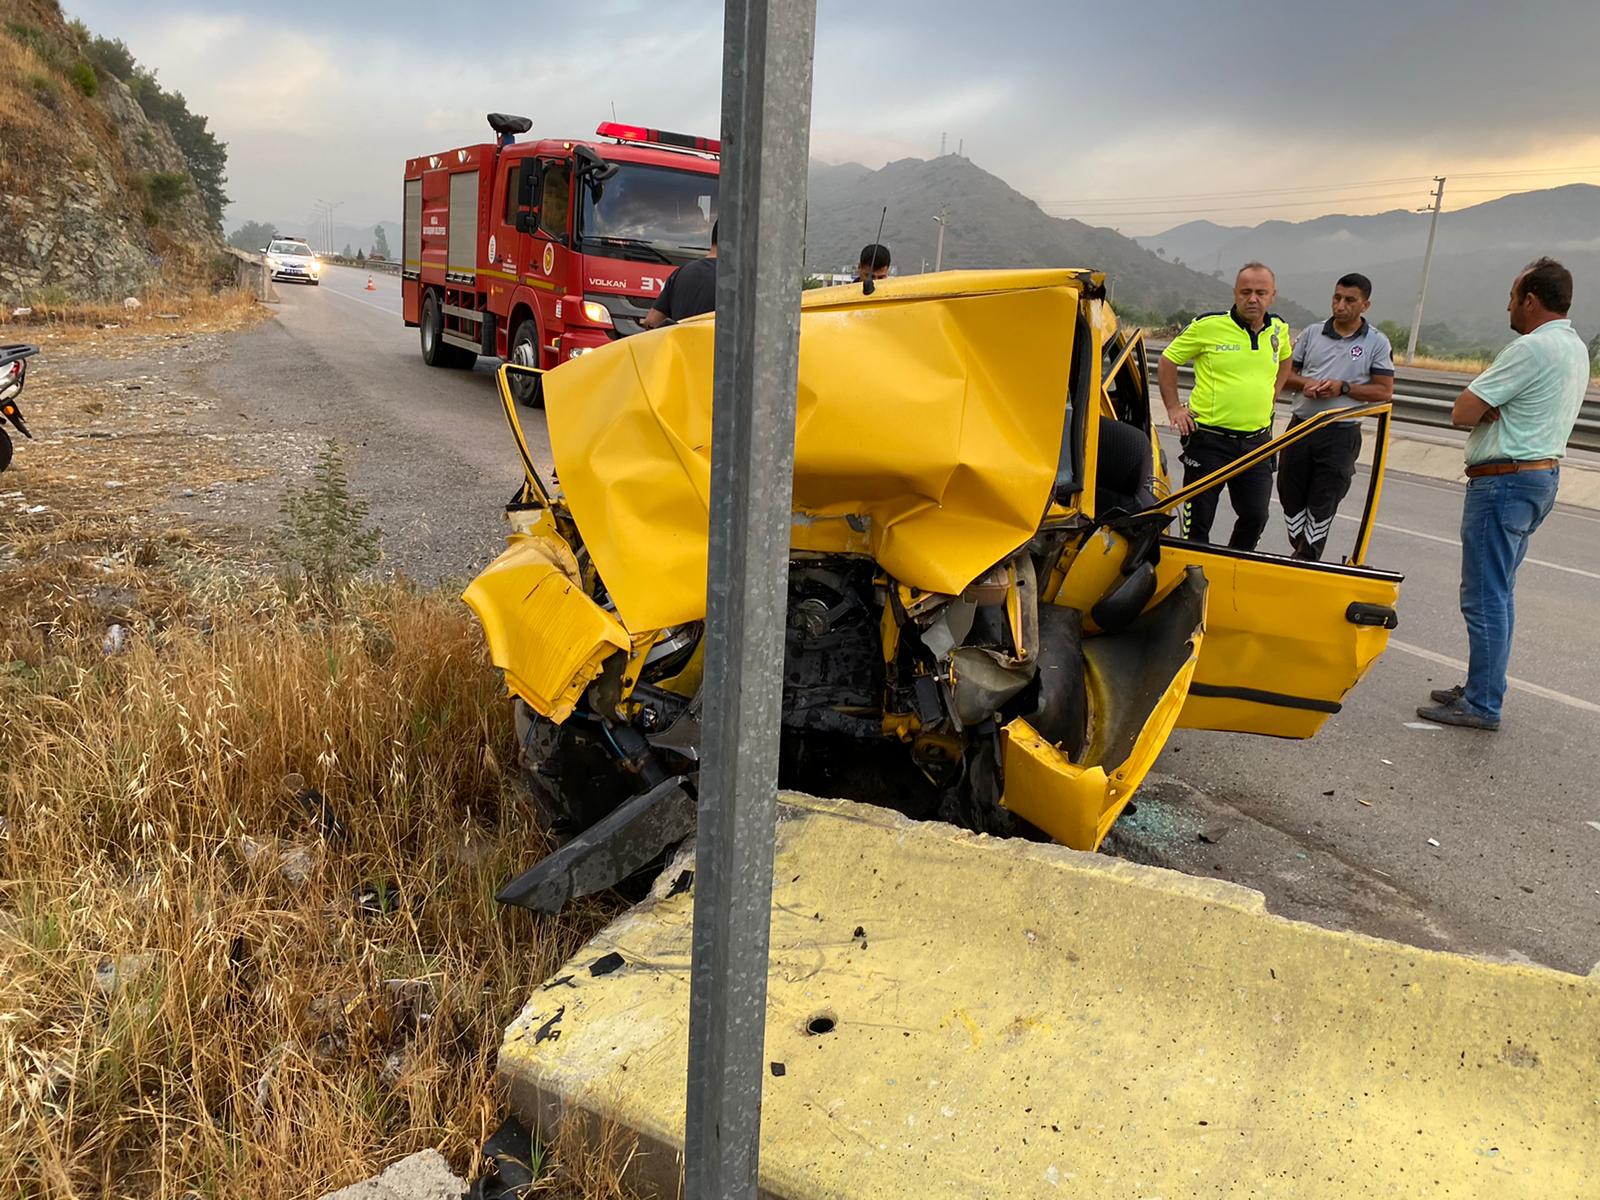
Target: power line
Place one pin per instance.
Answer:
(1323, 202)
(1167, 212)
(1318, 187)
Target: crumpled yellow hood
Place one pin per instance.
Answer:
(929, 416)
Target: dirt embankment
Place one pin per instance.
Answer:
(248, 836)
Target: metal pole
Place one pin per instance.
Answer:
(1427, 263)
(766, 134)
(938, 254)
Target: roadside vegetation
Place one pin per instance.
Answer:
(253, 811)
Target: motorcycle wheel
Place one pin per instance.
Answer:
(5, 449)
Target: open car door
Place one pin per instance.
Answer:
(1284, 639)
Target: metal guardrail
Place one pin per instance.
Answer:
(1424, 400)
(383, 265)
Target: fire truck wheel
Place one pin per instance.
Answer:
(525, 353)
(434, 350)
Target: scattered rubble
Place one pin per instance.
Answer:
(114, 973)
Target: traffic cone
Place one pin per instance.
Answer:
(370, 287)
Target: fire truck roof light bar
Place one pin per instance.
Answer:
(657, 137)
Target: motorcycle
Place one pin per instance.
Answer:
(13, 372)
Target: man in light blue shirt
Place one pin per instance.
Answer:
(1521, 412)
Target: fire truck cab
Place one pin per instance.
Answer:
(538, 252)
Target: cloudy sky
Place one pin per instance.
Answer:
(1138, 117)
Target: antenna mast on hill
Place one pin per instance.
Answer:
(1427, 262)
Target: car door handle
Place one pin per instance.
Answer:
(1380, 615)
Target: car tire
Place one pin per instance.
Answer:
(434, 351)
(316, 283)
(524, 352)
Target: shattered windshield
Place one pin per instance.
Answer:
(658, 205)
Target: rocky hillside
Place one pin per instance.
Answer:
(97, 199)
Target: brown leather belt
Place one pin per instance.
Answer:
(1511, 468)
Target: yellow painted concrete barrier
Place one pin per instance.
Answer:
(952, 1015)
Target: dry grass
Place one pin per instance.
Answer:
(163, 310)
(207, 988)
(1469, 365)
(204, 989)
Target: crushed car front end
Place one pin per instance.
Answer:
(980, 625)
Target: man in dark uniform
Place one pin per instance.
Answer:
(874, 262)
(1343, 363)
(690, 291)
(1241, 358)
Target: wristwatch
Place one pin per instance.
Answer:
(1344, 387)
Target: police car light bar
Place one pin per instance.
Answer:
(658, 137)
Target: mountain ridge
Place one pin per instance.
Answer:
(1477, 252)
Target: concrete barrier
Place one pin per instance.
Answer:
(251, 274)
(951, 1015)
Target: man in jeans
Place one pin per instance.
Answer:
(1521, 412)
(1343, 363)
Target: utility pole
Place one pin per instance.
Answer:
(326, 211)
(938, 255)
(766, 132)
(1427, 263)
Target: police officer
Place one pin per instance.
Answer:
(1342, 363)
(1241, 359)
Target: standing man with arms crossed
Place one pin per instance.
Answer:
(1343, 363)
(1521, 412)
(1241, 359)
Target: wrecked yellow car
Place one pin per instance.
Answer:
(987, 623)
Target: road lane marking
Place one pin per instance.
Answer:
(1424, 726)
(1522, 685)
(336, 292)
(1447, 541)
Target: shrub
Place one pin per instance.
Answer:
(84, 79)
(111, 56)
(165, 188)
(46, 91)
(322, 535)
(49, 51)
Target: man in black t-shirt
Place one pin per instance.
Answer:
(690, 290)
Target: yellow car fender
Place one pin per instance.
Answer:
(544, 632)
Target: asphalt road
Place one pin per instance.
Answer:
(1516, 815)
(428, 448)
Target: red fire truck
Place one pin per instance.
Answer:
(539, 251)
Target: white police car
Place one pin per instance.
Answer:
(290, 258)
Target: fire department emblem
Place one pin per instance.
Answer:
(491, 248)
(549, 263)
